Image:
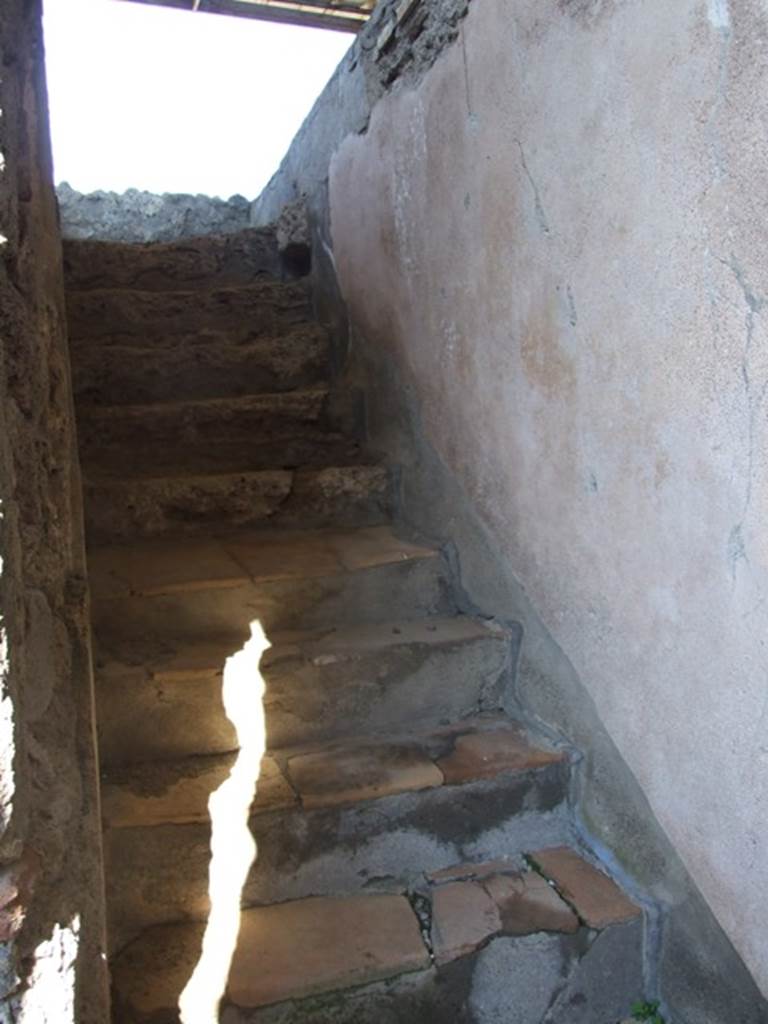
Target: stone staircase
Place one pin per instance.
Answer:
(416, 854)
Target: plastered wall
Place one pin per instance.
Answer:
(52, 969)
(558, 238)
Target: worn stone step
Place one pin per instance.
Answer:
(272, 431)
(501, 945)
(282, 579)
(177, 505)
(203, 422)
(205, 261)
(265, 308)
(303, 449)
(356, 680)
(198, 366)
(355, 815)
(367, 679)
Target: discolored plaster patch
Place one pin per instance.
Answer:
(587, 12)
(547, 366)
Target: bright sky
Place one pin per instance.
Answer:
(170, 101)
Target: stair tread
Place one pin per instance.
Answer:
(274, 477)
(305, 947)
(333, 774)
(161, 698)
(191, 341)
(271, 430)
(197, 366)
(303, 447)
(91, 263)
(306, 400)
(293, 949)
(204, 656)
(155, 567)
(118, 311)
(598, 900)
(261, 286)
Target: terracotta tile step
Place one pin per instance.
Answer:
(479, 748)
(292, 950)
(213, 259)
(280, 579)
(176, 792)
(197, 366)
(301, 949)
(260, 309)
(165, 701)
(371, 819)
(356, 495)
(472, 902)
(593, 895)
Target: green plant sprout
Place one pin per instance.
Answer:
(648, 1012)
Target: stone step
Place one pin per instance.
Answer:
(334, 774)
(305, 449)
(499, 944)
(198, 366)
(333, 818)
(271, 431)
(283, 579)
(265, 308)
(356, 680)
(205, 261)
(203, 422)
(177, 505)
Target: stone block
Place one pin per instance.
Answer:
(596, 898)
(484, 754)
(317, 945)
(464, 917)
(350, 774)
(526, 903)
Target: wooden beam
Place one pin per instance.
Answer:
(309, 13)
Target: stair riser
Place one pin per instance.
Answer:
(118, 374)
(223, 260)
(416, 587)
(358, 496)
(144, 719)
(260, 311)
(159, 874)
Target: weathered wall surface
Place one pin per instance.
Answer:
(559, 238)
(135, 216)
(51, 913)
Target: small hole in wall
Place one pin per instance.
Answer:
(168, 100)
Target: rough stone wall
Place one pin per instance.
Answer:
(550, 248)
(397, 47)
(51, 905)
(135, 216)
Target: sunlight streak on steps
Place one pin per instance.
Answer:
(233, 849)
